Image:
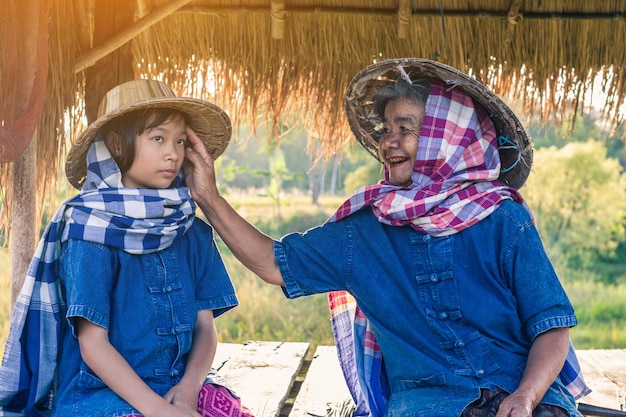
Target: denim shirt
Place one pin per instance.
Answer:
(148, 303)
(451, 314)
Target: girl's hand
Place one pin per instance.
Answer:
(172, 410)
(182, 397)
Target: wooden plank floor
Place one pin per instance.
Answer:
(324, 385)
(605, 373)
(261, 373)
(265, 375)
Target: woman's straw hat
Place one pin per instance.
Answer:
(516, 153)
(210, 122)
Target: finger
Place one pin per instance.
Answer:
(196, 143)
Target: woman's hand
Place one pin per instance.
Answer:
(545, 360)
(199, 169)
(518, 404)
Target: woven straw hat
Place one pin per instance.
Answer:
(210, 122)
(516, 159)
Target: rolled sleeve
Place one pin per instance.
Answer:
(316, 261)
(542, 302)
(89, 296)
(214, 288)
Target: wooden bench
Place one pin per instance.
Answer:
(286, 379)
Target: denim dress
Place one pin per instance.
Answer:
(451, 314)
(148, 303)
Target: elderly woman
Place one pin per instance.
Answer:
(465, 314)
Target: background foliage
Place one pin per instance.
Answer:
(577, 192)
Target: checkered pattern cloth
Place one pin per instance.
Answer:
(135, 220)
(455, 185)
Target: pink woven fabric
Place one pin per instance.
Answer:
(217, 401)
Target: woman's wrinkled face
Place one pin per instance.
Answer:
(397, 147)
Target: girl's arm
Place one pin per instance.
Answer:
(545, 360)
(117, 374)
(201, 355)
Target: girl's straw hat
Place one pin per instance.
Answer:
(515, 148)
(210, 122)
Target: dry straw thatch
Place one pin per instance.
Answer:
(288, 62)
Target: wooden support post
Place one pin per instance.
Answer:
(404, 18)
(23, 213)
(513, 18)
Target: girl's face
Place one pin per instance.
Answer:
(159, 155)
(397, 147)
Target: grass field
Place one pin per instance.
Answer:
(265, 314)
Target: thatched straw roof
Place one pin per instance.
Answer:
(289, 61)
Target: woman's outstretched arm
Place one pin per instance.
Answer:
(253, 248)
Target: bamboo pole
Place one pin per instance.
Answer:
(88, 59)
(379, 11)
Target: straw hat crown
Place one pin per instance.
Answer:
(359, 106)
(210, 122)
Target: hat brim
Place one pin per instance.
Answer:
(359, 107)
(209, 121)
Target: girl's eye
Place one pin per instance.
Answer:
(158, 139)
(181, 142)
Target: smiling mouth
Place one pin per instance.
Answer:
(396, 160)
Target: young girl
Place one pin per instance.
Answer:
(116, 317)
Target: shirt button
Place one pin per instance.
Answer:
(443, 315)
(480, 373)
(459, 343)
(434, 278)
(174, 373)
(427, 238)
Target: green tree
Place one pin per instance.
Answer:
(277, 174)
(367, 170)
(578, 197)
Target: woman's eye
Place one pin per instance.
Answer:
(158, 139)
(181, 142)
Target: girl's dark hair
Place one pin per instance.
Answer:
(416, 91)
(134, 123)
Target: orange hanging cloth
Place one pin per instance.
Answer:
(23, 72)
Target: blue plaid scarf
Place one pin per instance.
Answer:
(137, 221)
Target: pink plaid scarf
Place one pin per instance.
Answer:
(455, 177)
(455, 185)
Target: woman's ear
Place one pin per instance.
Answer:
(113, 142)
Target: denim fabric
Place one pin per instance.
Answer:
(148, 303)
(452, 314)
